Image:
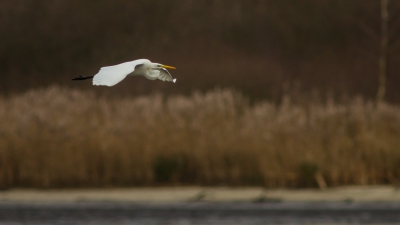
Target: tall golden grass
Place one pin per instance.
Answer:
(59, 137)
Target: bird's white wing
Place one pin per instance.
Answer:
(165, 75)
(111, 75)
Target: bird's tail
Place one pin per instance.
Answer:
(82, 77)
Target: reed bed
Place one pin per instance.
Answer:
(61, 138)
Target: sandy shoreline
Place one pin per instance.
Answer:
(205, 194)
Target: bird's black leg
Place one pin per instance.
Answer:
(82, 77)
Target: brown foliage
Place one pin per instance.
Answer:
(58, 137)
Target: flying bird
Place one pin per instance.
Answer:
(111, 75)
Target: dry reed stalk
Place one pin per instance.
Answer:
(58, 137)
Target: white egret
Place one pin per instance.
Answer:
(111, 75)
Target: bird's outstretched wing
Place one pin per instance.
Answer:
(111, 75)
(165, 75)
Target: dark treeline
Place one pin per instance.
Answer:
(262, 47)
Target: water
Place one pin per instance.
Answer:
(200, 213)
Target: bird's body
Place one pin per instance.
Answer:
(111, 75)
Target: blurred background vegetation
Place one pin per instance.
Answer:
(301, 79)
(261, 47)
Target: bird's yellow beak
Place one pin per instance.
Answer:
(168, 67)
